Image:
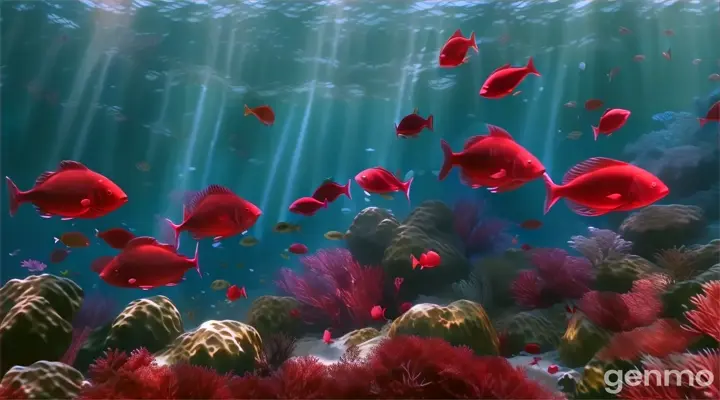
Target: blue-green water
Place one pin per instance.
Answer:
(116, 83)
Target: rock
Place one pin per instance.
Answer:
(676, 299)
(660, 227)
(152, 323)
(44, 380)
(462, 323)
(224, 346)
(64, 295)
(359, 336)
(271, 314)
(617, 275)
(429, 226)
(370, 234)
(581, 341)
(542, 326)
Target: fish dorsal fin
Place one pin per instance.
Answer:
(198, 197)
(606, 111)
(141, 241)
(472, 140)
(384, 170)
(506, 66)
(69, 164)
(43, 177)
(415, 111)
(589, 165)
(498, 132)
(458, 33)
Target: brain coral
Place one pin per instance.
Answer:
(271, 314)
(370, 234)
(44, 380)
(151, 323)
(222, 345)
(64, 295)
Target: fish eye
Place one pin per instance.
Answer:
(247, 209)
(109, 192)
(529, 162)
(653, 185)
(364, 177)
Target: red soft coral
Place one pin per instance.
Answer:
(706, 316)
(660, 339)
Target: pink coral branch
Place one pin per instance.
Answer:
(706, 316)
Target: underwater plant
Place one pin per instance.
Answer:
(277, 348)
(557, 277)
(600, 245)
(334, 288)
(480, 233)
(705, 318)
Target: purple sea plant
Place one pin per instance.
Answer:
(481, 234)
(33, 265)
(96, 311)
(600, 245)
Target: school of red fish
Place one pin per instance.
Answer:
(495, 161)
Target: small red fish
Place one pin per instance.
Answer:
(58, 255)
(531, 224)
(146, 263)
(327, 337)
(600, 185)
(378, 180)
(639, 58)
(454, 51)
(669, 32)
(624, 31)
(553, 369)
(526, 247)
(73, 191)
(307, 206)
(377, 313)
(264, 114)
(398, 282)
(532, 348)
(430, 259)
(295, 313)
(412, 124)
(593, 104)
(667, 54)
(505, 79)
(298, 248)
(234, 292)
(330, 191)
(404, 307)
(611, 120)
(535, 361)
(613, 73)
(99, 263)
(495, 161)
(713, 115)
(116, 238)
(215, 212)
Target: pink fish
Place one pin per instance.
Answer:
(377, 313)
(430, 259)
(612, 120)
(327, 337)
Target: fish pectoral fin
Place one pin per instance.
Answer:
(218, 238)
(85, 202)
(586, 211)
(506, 188)
(614, 196)
(499, 175)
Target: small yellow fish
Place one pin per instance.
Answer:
(285, 255)
(248, 241)
(334, 235)
(386, 196)
(574, 135)
(285, 227)
(239, 265)
(65, 273)
(219, 284)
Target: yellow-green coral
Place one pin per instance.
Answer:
(617, 275)
(544, 327)
(582, 339)
(64, 295)
(151, 323)
(356, 337)
(461, 323)
(272, 314)
(44, 380)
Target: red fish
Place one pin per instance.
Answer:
(215, 212)
(330, 191)
(295, 313)
(146, 263)
(307, 206)
(667, 54)
(531, 224)
(496, 161)
(552, 369)
(430, 259)
(398, 282)
(505, 79)
(234, 292)
(99, 263)
(532, 348)
(600, 185)
(116, 238)
(412, 124)
(377, 313)
(613, 73)
(611, 120)
(526, 247)
(298, 248)
(73, 191)
(624, 31)
(327, 337)
(535, 360)
(713, 114)
(454, 51)
(58, 255)
(378, 180)
(264, 114)
(404, 307)
(593, 104)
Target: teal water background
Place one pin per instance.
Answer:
(115, 83)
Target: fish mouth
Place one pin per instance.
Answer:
(124, 199)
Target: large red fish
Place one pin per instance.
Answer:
(495, 161)
(215, 212)
(454, 51)
(599, 185)
(378, 180)
(505, 79)
(73, 191)
(330, 191)
(146, 263)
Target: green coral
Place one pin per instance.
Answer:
(272, 314)
(544, 327)
(676, 298)
(499, 272)
(582, 339)
(618, 275)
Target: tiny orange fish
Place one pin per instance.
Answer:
(593, 104)
(531, 224)
(264, 114)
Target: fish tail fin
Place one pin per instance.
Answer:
(596, 132)
(531, 67)
(325, 203)
(248, 111)
(701, 121)
(430, 124)
(347, 190)
(414, 260)
(447, 161)
(551, 195)
(15, 196)
(473, 42)
(406, 188)
(196, 260)
(175, 231)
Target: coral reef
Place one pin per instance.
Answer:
(461, 323)
(370, 234)
(705, 317)
(222, 345)
(582, 339)
(660, 227)
(271, 314)
(663, 337)
(43, 380)
(480, 233)
(618, 275)
(541, 326)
